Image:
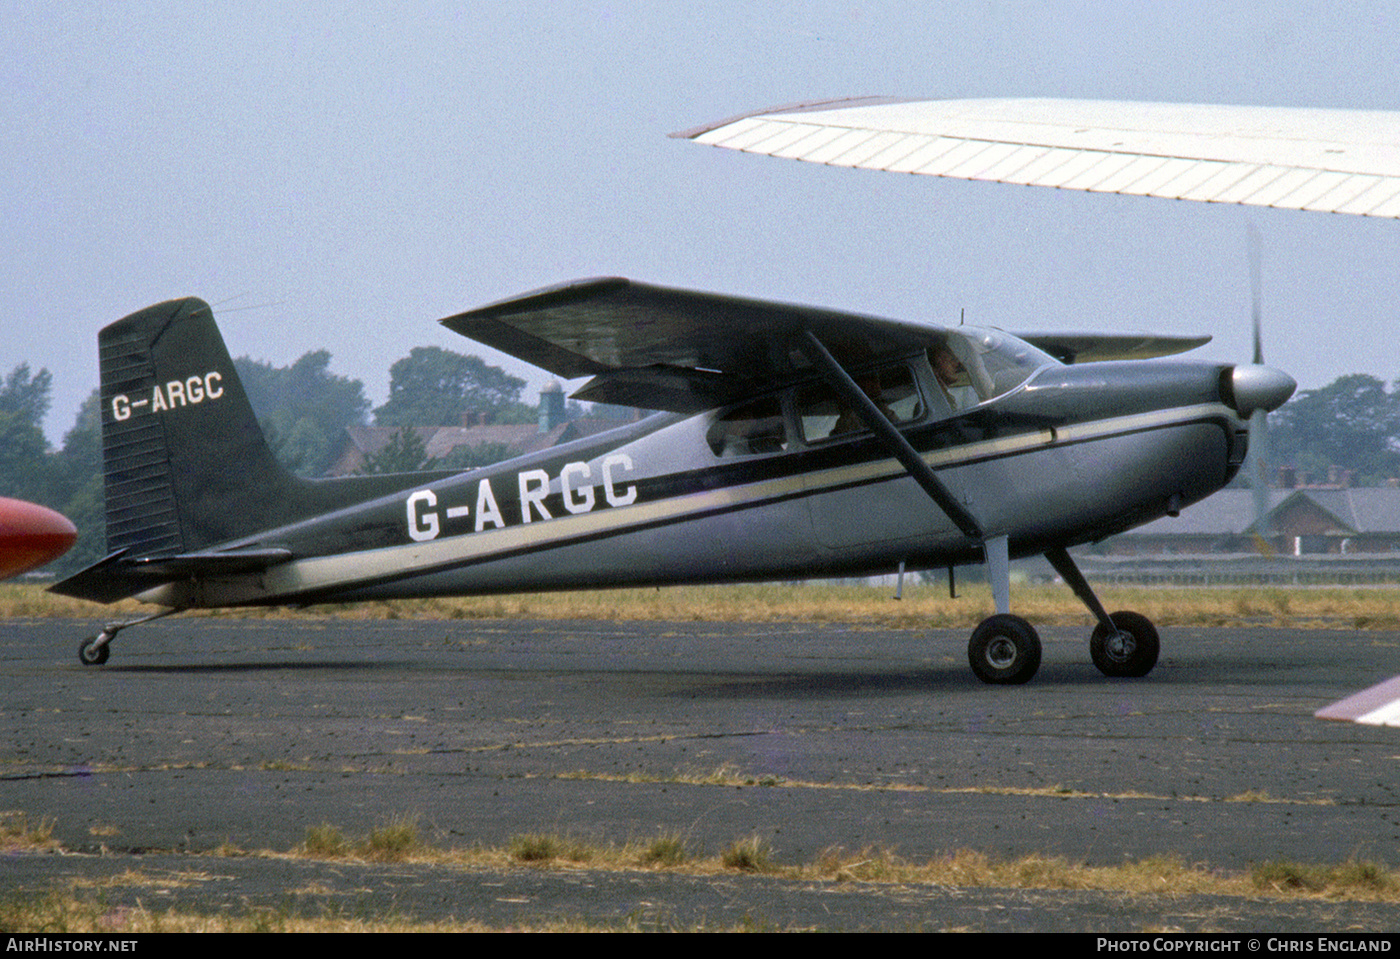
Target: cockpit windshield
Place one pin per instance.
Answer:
(975, 364)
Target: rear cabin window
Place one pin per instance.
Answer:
(823, 414)
(756, 427)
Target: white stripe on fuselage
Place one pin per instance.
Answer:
(345, 571)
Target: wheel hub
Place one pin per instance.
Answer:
(1120, 646)
(1001, 652)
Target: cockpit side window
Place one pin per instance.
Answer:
(754, 427)
(822, 414)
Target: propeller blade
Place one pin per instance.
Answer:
(1255, 289)
(1259, 416)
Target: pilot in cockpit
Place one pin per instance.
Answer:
(952, 377)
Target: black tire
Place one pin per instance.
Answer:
(1004, 650)
(1131, 656)
(90, 654)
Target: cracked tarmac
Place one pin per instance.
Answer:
(206, 732)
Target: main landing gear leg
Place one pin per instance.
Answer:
(1004, 649)
(95, 649)
(1123, 643)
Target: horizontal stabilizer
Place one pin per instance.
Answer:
(118, 576)
(213, 564)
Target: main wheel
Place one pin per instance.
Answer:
(91, 654)
(1004, 650)
(1131, 652)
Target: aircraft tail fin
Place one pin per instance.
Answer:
(188, 477)
(185, 462)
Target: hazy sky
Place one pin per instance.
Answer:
(342, 175)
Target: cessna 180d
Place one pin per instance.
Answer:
(792, 441)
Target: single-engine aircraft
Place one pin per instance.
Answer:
(792, 441)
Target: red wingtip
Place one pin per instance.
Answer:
(30, 536)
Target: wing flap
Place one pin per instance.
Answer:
(1338, 161)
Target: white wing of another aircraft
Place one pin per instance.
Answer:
(1333, 161)
(1377, 706)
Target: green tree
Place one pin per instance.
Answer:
(434, 387)
(25, 468)
(26, 394)
(1352, 422)
(81, 456)
(303, 408)
(85, 509)
(77, 487)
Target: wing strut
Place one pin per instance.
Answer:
(1004, 648)
(893, 440)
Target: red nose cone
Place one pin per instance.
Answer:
(30, 536)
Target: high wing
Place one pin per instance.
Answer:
(1335, 161)
(685, 351)
(676, 350)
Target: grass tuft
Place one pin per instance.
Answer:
(18, 832)
(1351, 879)
(869, 865)
(325, 841)
(392, 842)
(538, 847)
(749, 855)
(1282, 876)
(668, 849)
(535, 847)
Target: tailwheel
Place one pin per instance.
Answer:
(1004, 650)
(1130, 651)
(95, 650)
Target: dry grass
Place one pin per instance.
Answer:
(82, 908)
(395, 841)
(923, 606)
(62, 913)
(18, 832)
(754, 855)
(728, 776)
